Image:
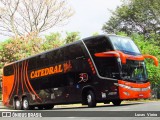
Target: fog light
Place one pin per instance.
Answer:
(126, 93)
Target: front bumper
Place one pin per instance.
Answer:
(129, 90)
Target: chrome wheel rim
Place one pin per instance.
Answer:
(17, 103)
(89, 98)
(25, 104)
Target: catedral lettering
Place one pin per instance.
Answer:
(46, 71)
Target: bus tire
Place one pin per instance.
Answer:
(18, 104)
(25, 104)
(90, 97)
(116, 102)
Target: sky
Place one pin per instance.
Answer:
(89, 17)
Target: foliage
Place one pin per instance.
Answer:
(52, 40)
(95, 34)
(140, 16)
(20, 17)
(19, 48)
(72, 36)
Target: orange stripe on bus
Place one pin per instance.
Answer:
(25, 77)
(14, 67)
(30, 84)
(107, 54)
(22, 78)
(17, 78)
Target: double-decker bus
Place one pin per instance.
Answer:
(103, 68)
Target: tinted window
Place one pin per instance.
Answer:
(8, 70)
(73, 51)
(32, 63)
(40, 60)
(107, 67)
(124, 44)
(55, 56)
(99, 44)
(59, 81)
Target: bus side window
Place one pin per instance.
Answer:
(96, 45)
(59, 81)
(70, 78)
(40, 61)
(73, 51)
(32, 63)
(55, 57)
(8, 70)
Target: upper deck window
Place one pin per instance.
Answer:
(125, 45)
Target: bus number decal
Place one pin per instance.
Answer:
(84, 77)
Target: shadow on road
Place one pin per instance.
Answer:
(74, 107)
(101, 106)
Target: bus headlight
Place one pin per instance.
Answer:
(145, 89)
(134, 89)
(126, 93)
(124, 86)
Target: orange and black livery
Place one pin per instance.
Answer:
(103, 68)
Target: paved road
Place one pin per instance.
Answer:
(139, 108)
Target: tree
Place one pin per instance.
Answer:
(18, 48)
(53, 40)
(72, 36)
(18, 17)
(142, 16)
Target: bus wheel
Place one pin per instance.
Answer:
(18, 105)
(90, 97)
(25, 103)
(116, 102)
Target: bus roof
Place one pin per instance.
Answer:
(87, 38)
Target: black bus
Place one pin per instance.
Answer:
(103, 68)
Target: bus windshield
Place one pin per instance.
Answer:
(125, 45)
(134, 71)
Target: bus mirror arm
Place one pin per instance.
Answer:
(107, 54)
(116, 54)
(152, 57)
(123, 57)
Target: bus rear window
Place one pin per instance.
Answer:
(8, 70)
